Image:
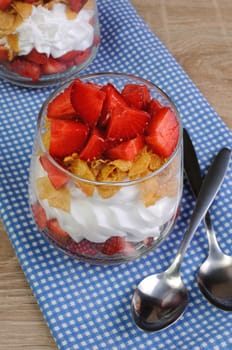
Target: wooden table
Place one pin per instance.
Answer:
(199, 34)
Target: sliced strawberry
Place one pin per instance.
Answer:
(57, 177)
(136, 96)
(87, 100)
(61, 107)
(25, 68)
(36, 57)
(53, 66)
(69, 56)
(84, 247)
(39, 215)
(113, 98)
(4, 4)
(82, 56)
(67, 136)
(95, 146)
(56, 231)
(154, 107)
(126, 150)
(126, 123)
(113, 245)
(163, 132)
(76, 5)
(3, 53)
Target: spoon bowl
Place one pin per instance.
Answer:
(214, 276)
(159, 300)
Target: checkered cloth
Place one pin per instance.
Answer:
(88, 307)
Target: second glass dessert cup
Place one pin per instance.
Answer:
(99, 221)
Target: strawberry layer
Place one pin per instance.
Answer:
(97, 219)
(52, 33)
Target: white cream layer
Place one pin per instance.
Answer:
(124, 214)
(51, 32)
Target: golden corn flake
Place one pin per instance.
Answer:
(80, 168)
(89, 5)
(8, 23)
(12, 40)
(107, 191)
(23, 9)
(140, 166)
(56, 198)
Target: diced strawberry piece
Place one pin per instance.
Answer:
(25, 68)
(126, 123)
(3, 53)
(136, 96)
(56, 231)
(67, 136)
(53, 66)
(126, 150)
(154, 107)
(57, 177)
(4, 4)
(76, 5)
(84, 247)
(95, 146)
(87, 100)
(36, 57)
(39, 215)
(163, 132)
(61, 107)
(82, 56)
(113, 245)
(69, 56)
(113, 98)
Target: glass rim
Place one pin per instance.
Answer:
(108, 183)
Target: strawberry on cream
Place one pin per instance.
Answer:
(52, 33)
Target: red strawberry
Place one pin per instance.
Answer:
(113, 98)
(67, 136)
(36, 57)
(126, 123)
(163, 132)
(69, 56)
(61, 107)
(39, 214)
(4, 4)
(113, 245)
(76, 5)
(25, 68)
(57, 177)
(87, 100)
(3, 53)
(154, 107)
(84, 247)
(82, 56)
(136, 96)
(126, 150)
(53, 66)
(95, 146)
(56, 231)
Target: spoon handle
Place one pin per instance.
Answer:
(207, 193)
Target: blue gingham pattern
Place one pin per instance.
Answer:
(88, 307)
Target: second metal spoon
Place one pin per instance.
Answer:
(214, 276)
(160, 299)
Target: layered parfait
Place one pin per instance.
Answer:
(39, 38)
(106, 172)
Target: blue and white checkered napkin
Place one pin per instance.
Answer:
(88, 307)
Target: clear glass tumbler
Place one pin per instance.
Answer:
(44, 43)
(97, 220)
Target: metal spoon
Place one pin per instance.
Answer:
(160, 299)
(214, 276)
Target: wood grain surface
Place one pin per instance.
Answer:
(199, 35)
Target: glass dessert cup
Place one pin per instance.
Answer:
(45, 43)
(105, 222)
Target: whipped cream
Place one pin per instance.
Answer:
(51, 32)
(124, 214)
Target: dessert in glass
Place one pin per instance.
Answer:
(106, 171)
(45, 42)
